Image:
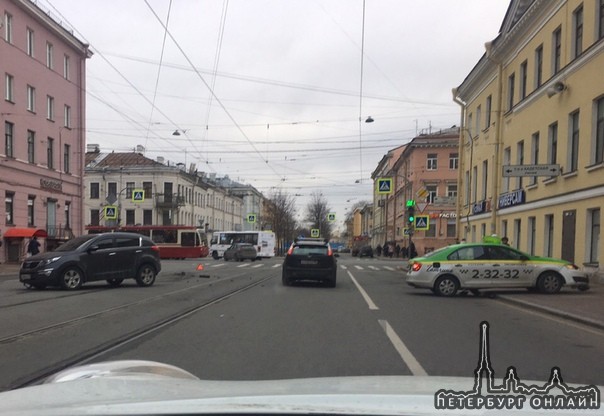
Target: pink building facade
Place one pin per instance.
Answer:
(42, 112)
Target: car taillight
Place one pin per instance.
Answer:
(416, 266)
(290, 251)
(329, 251)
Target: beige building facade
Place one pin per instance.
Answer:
(533, 106)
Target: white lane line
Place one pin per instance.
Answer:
(244, 265)
(403, 351)
(255, 266)
(358, 267)
(218, 265)
(344, 267)
(389, 268)
(372, 306)
(276, 265)
(374, 268)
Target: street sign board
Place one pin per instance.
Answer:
(422, 222)
(138, 195)
(315, 233)
(384, 186)
(531, 170)
(422, 192)
(111, 212)
(421, 206)
(444, 200)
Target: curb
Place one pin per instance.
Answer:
(552, 311)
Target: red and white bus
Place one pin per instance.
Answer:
(174, 241)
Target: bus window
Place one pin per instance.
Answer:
(187, 239)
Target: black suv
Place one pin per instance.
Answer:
(310, 259)
(110, 256)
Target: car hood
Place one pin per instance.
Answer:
(150, 388)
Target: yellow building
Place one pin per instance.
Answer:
(534, 106)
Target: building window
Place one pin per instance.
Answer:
(556, 50)
(95, 216)
(520, 159)
(487, 115)
(31, 146)
(67, 215)
(552, 156)
(31, 98)
(548, 248)
(523, 78)
(9, 88)
(67, 116)
(451, 230)
(49, 55)
(452, 190)
(507, 158)
(475, 184)
(538, 66)
(50, 153)
(130, 217)
(532, 233)
(453, 160)
(573, 142)
(112, 190)
(50, 108)
(593, 218)
(504, 228)
(66, 67)
(431, 231)
(148, 188)
(66, 158)
(517, 233)
(534, 154)
(9, 202)
(432, 161)
(30, 42)
(30, 210)
(478, 119)
(432, 192)
(8, 27)
(599, 145)
(578, 31)
(511, 86)
(147, 217)
(94, 190)
(467, 188)
(485, 178)
(9, 138)
(129, 189)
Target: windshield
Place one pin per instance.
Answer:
(368, 173)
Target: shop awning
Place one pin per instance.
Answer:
(24, 233)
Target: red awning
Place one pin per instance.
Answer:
(24, 233)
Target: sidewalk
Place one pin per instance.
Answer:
(583, 307)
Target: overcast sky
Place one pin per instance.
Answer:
(269, 91)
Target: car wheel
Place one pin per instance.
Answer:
(446, 286)
(71, 278)
(146, 275)
(215, 255)
(549, 283)
(115, 282)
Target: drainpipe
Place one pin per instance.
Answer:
(460, 169)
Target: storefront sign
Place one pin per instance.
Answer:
(479, 207)
(510, 199)
(52, 185)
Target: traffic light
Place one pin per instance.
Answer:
(410, 211)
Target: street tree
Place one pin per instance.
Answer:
(316, 213)
(281, 214)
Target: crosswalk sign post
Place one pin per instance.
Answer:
(384, 186)
(111, 212)
(422, 222)
(138, 195)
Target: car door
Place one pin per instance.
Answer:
(128, 252)
(510, 267)
(99, 259)
(470, 265)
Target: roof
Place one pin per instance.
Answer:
(99, 160)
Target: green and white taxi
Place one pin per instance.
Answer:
(489, 265)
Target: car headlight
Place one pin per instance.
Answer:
(51, 260)
(572, 266)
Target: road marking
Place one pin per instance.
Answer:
(344, 267)
(255, 266)
(218, 265)
(358, 267)
(389, 268)
(374, 268)
(401, 348)
(372, 306)
(244, 265)
(277, 265)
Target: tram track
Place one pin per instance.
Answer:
(100, 350)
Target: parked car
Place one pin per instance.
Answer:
(109, 256)
(240, 252)
(366, 251)
(488, 266)
(310, 259)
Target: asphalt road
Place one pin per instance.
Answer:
(244, 325)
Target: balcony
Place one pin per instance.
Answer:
(169, 201)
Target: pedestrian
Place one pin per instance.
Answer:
(412, 250)
(379, 250)
(385, 249)
(33, 247)
(505, 241)
(397, 250)
(405, 252)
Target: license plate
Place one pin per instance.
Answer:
(308, 262)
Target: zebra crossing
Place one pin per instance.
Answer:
(257, 265)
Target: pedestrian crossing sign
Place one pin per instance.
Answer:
(251, 218)
(315, 233)
(422, 222)
(384, 186)
(111, 212)
(331, 217)
(138, 195)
